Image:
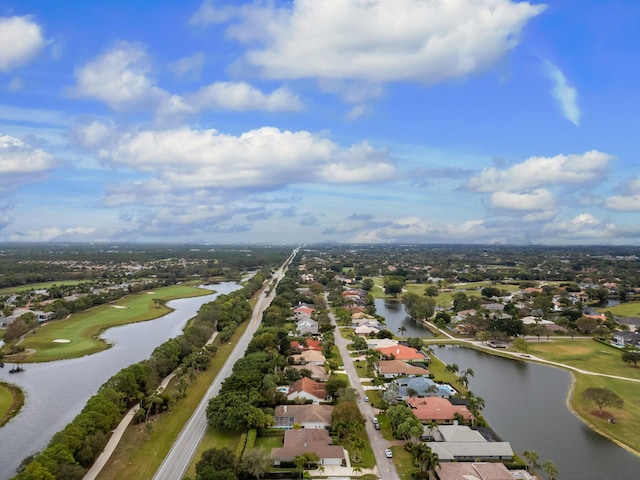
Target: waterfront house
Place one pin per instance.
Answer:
(439, 410)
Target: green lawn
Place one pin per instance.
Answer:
(82, 329)
(39, 286)
(11, 401)
(586, 354)
(630, 309)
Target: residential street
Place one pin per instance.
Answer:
(386, 467)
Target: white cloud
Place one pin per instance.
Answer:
(20, 40)
(357, 112)
(119, 79)
(18, 159)
(93, 134)
(565, 94)
(266, 158)
(240, 96)
(538, 172)
(190, 66)
(629, 198)
(48, 234)
(582, 226)
(376, 40)
(538, 199)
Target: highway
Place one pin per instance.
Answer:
(184, 448)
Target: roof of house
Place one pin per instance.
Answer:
(301, 441)
(400, 352)
(401, 368)
(309, 386)
(318, 372)
(312, 344)
(304, 309)
(473, 471)
(303, 414)
(449, 451)
(459, 433)
(437, 409)
(310, 356)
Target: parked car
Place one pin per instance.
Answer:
(388, 453)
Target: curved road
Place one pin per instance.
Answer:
(184, 448)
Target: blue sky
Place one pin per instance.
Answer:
(432, 121)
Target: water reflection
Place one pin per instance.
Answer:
(395, 316)
(57, 391)
(526, 405)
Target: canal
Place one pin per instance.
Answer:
(57, 391)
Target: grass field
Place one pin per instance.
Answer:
(39, 286)
(139, 455)
(82, 329)
(11, 401)
(586, 354)
(630, 309)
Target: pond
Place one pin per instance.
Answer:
(57, 391)
(526, 404)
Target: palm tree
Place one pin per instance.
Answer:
(425, 459)
(531, 458)
(550, 469)
(402, 330)
(453, 368)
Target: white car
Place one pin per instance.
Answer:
(388, 453)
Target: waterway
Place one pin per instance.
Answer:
(395, 316)
(57, 391)
(526, 406)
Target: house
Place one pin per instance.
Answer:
(313, 357)
(307, 325)
(473, 471)
(318, 372)
(303, 309)
(471, 451)
(402, 352)
(375, 343)
(301, 441)
(307, 416)
(396, 368)
(422, 387)
(439, 410)
(310, 344)
(364, 330)
(626, 339)
(307, 389)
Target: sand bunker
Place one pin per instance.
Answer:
(61, 340)
(151, 293)
(118, 306)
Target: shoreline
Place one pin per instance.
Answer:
(16, 405)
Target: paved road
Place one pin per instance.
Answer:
(386, 467)
(184, 448)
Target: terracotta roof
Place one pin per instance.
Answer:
(312, 387)
(400, 352)
(437, 409)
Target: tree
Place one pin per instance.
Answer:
(425, 459)
(402, 330)
(367, 284)
(431, 291)
(631, 356)
(586, 324)
(334, 383)
(603, 397)
(521, 345)
(452, 368)
(550, 469)
(256, 461)
(531, 458)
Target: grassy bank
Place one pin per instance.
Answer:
(80, 332)
(139, 455)
(11, 401)
(629, 309)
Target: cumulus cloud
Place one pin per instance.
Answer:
(20, 40)
(48, 234)
(538, 199)
(536, 172)
(121, 79)
(239, 96)
(20, 162)
(582, 226)
(628, 200)
(263, 159)
(564, 94)
(375, 40)
(190, 67)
